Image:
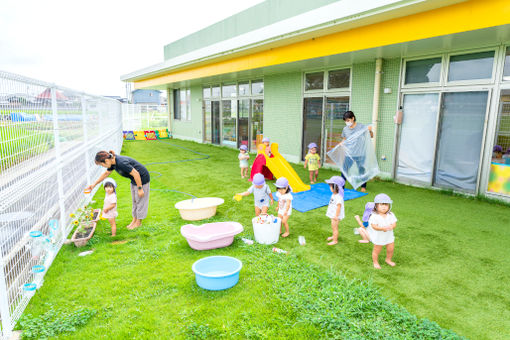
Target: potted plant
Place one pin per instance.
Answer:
(85, 225)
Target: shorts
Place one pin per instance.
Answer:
(262, 203)
(365, 224)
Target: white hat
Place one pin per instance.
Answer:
(110, 180)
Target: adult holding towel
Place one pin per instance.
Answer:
(140, 181)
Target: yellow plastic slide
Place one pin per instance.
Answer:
(281, 168)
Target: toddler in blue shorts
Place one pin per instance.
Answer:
(363, 224)
(261, 193)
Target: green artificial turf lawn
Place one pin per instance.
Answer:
(451, 254)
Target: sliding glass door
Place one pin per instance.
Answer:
(243, 116)
(335, 108)
(460, 139)
(418, 138)
(444, 153)
(312, 123)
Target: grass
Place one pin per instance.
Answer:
(451, 255)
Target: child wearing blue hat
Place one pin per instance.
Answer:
(363, 224)
(243, 160)
(336, 211)
(262, 194)
(313, 161)
(284, 208)
(380, 229)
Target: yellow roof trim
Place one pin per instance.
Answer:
(462, 17)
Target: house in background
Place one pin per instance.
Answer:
(151, 97)
(289, 69)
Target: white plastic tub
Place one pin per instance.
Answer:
(267, 233)
(198, 208)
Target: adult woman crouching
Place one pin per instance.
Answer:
(140, 181)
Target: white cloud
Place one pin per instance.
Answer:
(87, 45)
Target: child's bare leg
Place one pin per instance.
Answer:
(257, 211)
(364, 234)
(242, 172)
(113, 225)
(375, 256)
(284, 221)
(245, 172)
(359, 221)
(334, 227)
(311, 176)
(316, 174)
(264, 209)
(389, 254)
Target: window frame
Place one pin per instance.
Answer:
(482, 81)
(421, 85)
(325, 80)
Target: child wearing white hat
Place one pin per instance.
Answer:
(110, 203)
(380, 229)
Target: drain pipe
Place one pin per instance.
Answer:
(377, 91)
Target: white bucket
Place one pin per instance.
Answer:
(267, 233)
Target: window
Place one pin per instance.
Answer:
(206, 92)
(216, 91)
(229, 90)
(314, 81)
(338, 79)
(182, 104)
(506, 70)
(257, 87)
(423, 71)
(244, 89)
(471, 66)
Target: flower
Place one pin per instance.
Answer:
(75, 222)
(72, 215)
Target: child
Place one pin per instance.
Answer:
(369, 209)
(261, 192)
(380, 229)
(336, 206)
(284, 207)
(267, 146)
(243, 160)
(110, 203)
(313, 160)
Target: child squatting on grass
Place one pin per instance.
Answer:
(284, 207)
(243, 160)
(380, 229)
(363, 224)
(336, 210)
(261, 192)
(313, 160)
(110, 203)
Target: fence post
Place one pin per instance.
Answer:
(85, 137)
(4, 303)
(58, 157)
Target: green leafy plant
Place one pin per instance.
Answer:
(54, 322)
(82, 218)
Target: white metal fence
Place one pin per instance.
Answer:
(144, 117)
(49, 136)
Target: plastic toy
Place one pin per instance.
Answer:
(266, 229)
(150, 135)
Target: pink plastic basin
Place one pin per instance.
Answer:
(211, 235)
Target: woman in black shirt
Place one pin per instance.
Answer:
(140, 181)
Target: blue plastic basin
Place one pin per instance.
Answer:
(217, 272)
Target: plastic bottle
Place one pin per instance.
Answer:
(247, 241)
(278, 250)
(301, 240)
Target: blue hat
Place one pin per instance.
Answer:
(369, 208)
(382, 198)
(312, 145)
(281, 182)
(265, 139)
(259, 179)
(243, 147)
